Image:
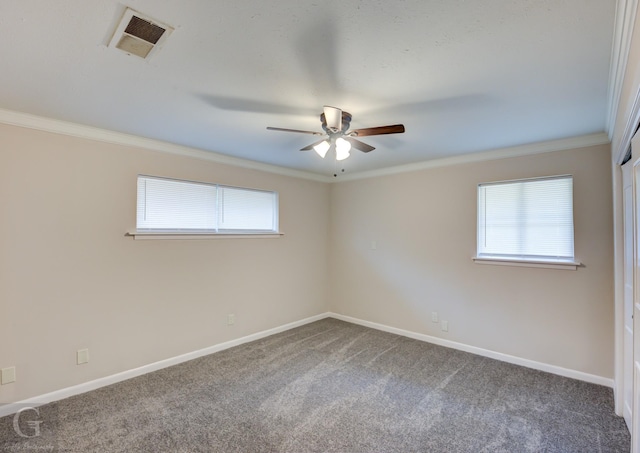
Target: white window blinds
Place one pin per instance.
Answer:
(526, 219)
(169, 205)
(243, 209)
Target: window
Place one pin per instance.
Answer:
(172, 206)
(529, 219)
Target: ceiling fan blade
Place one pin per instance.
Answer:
(357, 144)
(310, 147)
(293, 130)
(381, 130)
(333, 118)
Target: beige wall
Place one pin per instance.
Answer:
(70, 279)
(424, 224)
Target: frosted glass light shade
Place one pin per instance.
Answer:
(322, 148)
(342, 149)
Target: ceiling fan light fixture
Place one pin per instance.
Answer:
(342, 155)
(342, 149)
(339, 137)
(322, 148)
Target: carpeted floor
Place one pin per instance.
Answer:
(335, 387)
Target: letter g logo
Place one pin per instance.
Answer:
(32, 424)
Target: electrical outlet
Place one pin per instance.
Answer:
(434, 316)
(445, 326)
(82, 356)
(8, 375)
(231, 319)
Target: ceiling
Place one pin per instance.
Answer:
(462, 76)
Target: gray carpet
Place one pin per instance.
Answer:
(336, 387)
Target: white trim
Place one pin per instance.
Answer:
(565, 265)
(623, 32)
(629, 130)
(502, 153)
(12, 408)
(626, 11)
(573, 374)
(57, 395)
(618, 287)
(93, 133)
(119, 138)
(151, 236)
(635, 428)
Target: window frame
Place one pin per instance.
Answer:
(522, 260)
(206, 233)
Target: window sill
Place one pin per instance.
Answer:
(547, 264)
(145, 235)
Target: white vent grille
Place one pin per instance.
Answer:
(139, 35)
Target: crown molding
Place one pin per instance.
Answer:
(502, 153)
(622, 34)
(118, 138)
(93, 133)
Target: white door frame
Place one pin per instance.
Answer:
(629, 279)
(626, 12)
(618, 238)
(635, 424)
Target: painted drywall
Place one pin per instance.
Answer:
(70, 279)
(402, 248)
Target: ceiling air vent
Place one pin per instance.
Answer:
(139, 35)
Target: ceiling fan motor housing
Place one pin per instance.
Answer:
(335, 123)
(346, 121)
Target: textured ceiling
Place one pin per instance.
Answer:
(462, 76)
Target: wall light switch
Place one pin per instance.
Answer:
(374, 245)
(231, 319)
(445, 326)
(82, 356)
(434, 316)
(8, 375)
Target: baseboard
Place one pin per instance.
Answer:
(579, 375)
(627, 413)
(57, 395)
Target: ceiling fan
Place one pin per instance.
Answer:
(335, 123)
